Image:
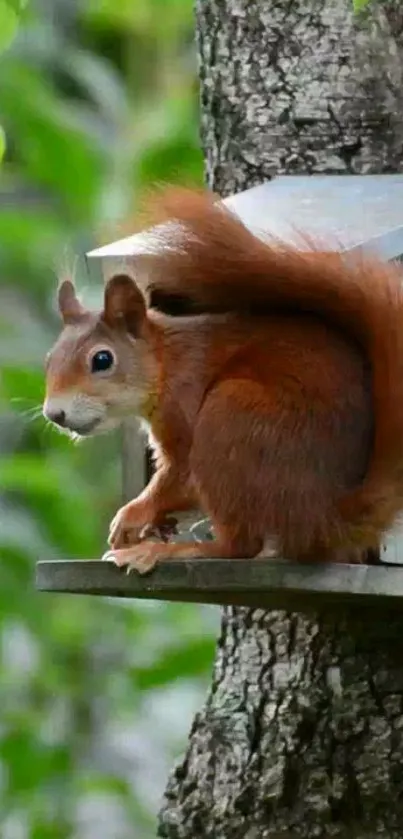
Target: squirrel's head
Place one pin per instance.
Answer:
(102, 367)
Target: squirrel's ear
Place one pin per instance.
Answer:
(70, 307)
(124, 304)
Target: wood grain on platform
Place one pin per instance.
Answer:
(257, 583)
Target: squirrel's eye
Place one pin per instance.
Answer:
(102, 360)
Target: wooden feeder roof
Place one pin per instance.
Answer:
(348, 211)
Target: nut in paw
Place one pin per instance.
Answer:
(129, 527)
(162, 531)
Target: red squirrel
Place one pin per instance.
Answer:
(270, 380)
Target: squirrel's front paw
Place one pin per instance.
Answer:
(126, 527)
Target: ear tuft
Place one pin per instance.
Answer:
(70, 307)
(124, 304)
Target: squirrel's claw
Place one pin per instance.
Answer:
(141, 558)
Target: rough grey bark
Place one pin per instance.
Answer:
(302, 731)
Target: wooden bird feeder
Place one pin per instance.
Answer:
(349, 213)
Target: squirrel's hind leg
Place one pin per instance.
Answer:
(262, 472)
(234, 466)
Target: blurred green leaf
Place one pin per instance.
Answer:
(2, 143)
(9, 19)
(146, 17)
(182, 661)
(16, 5)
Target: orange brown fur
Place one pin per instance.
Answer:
(278, 402)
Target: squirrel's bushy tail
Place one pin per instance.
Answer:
(210, 262)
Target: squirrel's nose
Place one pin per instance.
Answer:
(58, 417)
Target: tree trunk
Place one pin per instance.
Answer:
(302, 731)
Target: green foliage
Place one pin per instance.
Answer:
(2, 144)
(10, 11)
(9, 19)
(97, 100)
